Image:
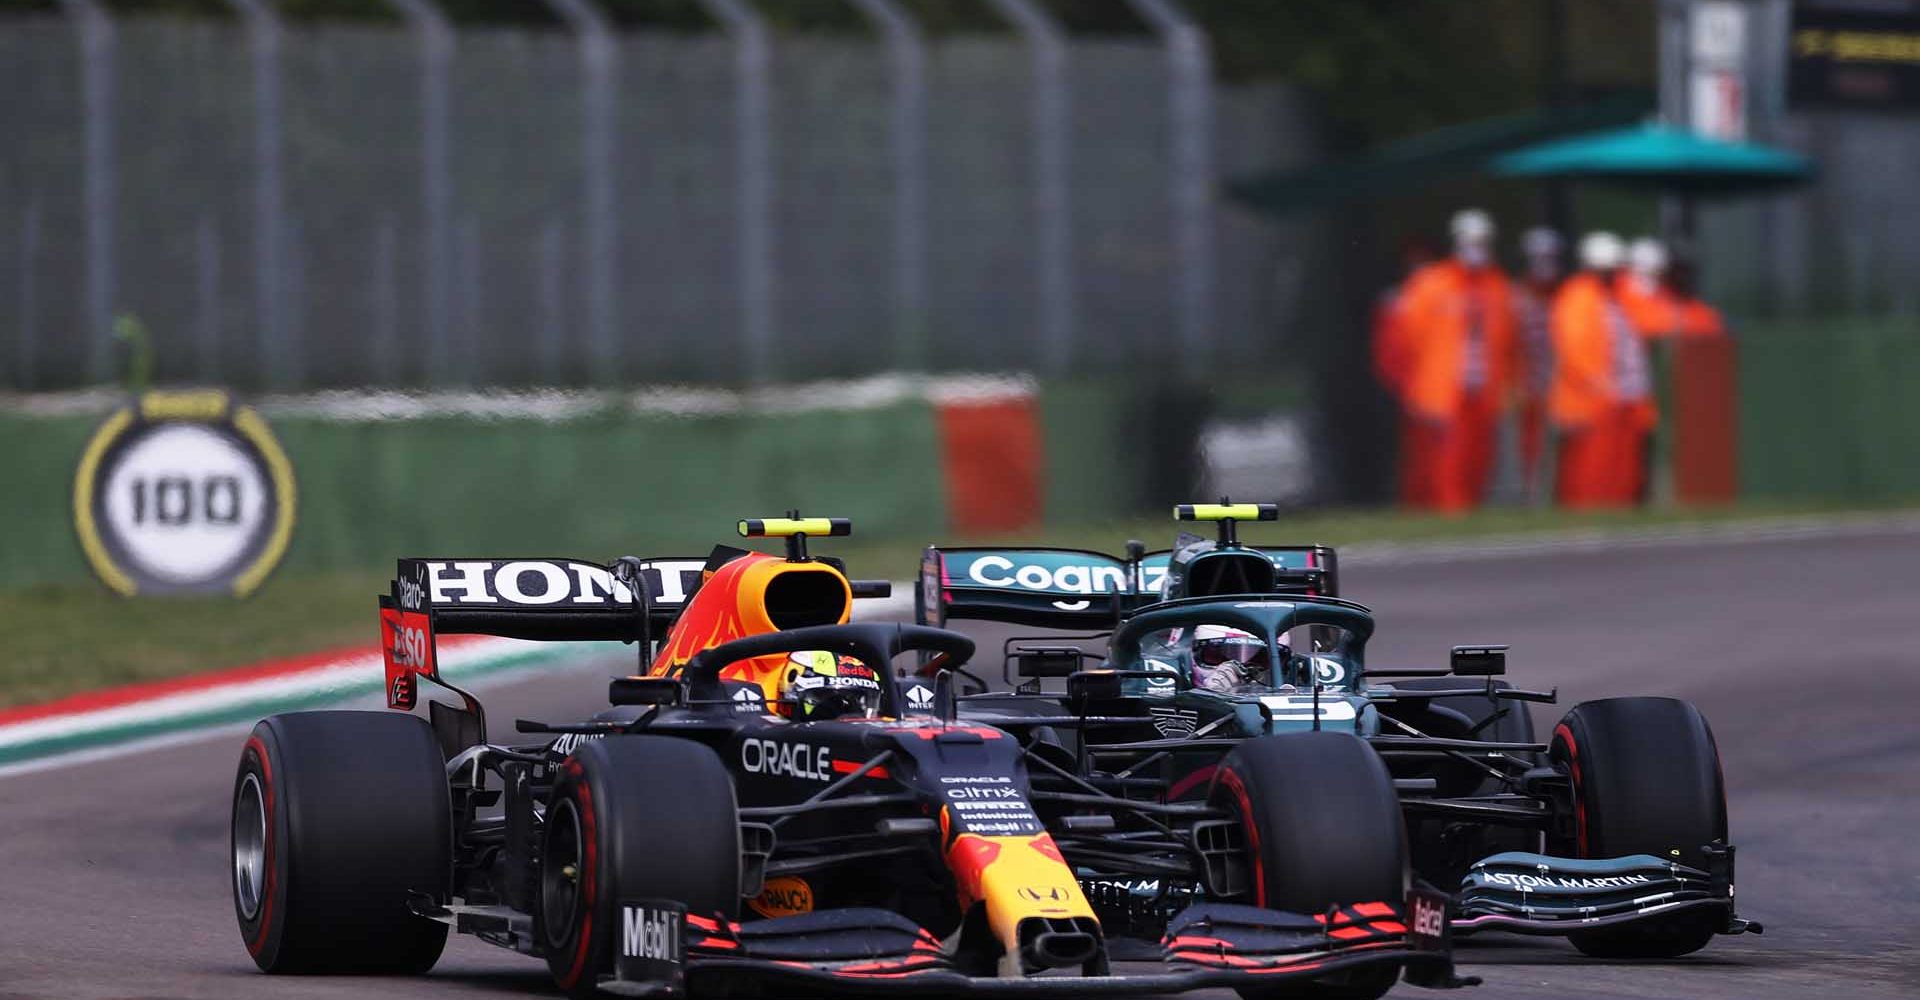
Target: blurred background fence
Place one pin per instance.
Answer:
(311, 204)
(1843, 247)
(310, 194)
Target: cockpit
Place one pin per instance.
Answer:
(1238, 656)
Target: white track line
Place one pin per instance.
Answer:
(352, 683)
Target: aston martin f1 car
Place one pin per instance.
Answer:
(1612, 833)
(768, 804)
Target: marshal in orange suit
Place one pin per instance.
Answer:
(1391, 361)
(1643, 292)
(1460, 344)
(1601, 399)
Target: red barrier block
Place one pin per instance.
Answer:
(1705, 420)
(991, 456)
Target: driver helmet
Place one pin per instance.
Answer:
(817, 684)
(1225, 658)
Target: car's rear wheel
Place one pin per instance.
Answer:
(1646, 780)
(632, 817)
(1323, 826)
(338, 817)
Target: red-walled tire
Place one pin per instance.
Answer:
(337, 817)
(651, 817)
(1646, 780)
(1323, 825)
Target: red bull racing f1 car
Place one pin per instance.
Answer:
(779, 800)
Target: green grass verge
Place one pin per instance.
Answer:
(63, 639)
(68, 638)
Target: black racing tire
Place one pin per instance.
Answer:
(337, 818)
(1646, 780)
(1324, 827)
(657, 815)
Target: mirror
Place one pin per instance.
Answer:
(1050, 661)
(1479, 661)
(1093, 685)
(645, 691)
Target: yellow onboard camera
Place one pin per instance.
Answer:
(795, 529)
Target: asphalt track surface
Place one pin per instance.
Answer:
(113, 874)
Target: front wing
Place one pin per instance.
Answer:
(1537, 894)
(877, 951)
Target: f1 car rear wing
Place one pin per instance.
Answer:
(1078, 588)
(630, 600)
(545, 599)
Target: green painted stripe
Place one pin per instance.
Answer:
(258, 708)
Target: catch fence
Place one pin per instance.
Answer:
(296, 205)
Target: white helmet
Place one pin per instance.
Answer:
(1225, 658)
(1601, 251)
(1471, 224)
(1473, 236)
(1647, 256)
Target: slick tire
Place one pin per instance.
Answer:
(1646, 780)
(1324, 828)
(337, 818)
(632, 817)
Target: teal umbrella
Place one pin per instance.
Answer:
(1659, 156)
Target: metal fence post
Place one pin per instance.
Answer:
(907, 51)
(436, 40)
(753, 173)
(472, 290)
(599, 233)
(384, 291)
(1052, 197)
(1190, 107)
(275, 354)
(94, 28)
(27, 348)
(206, 334)
(293, 295)
(550, 255)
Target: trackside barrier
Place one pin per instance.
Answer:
(598, 474)
(1828, 409)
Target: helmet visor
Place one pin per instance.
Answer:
(831, 689)
(1249, 653)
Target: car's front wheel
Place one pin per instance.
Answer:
(1646, 780)
(632, 817)
(1324, 829)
